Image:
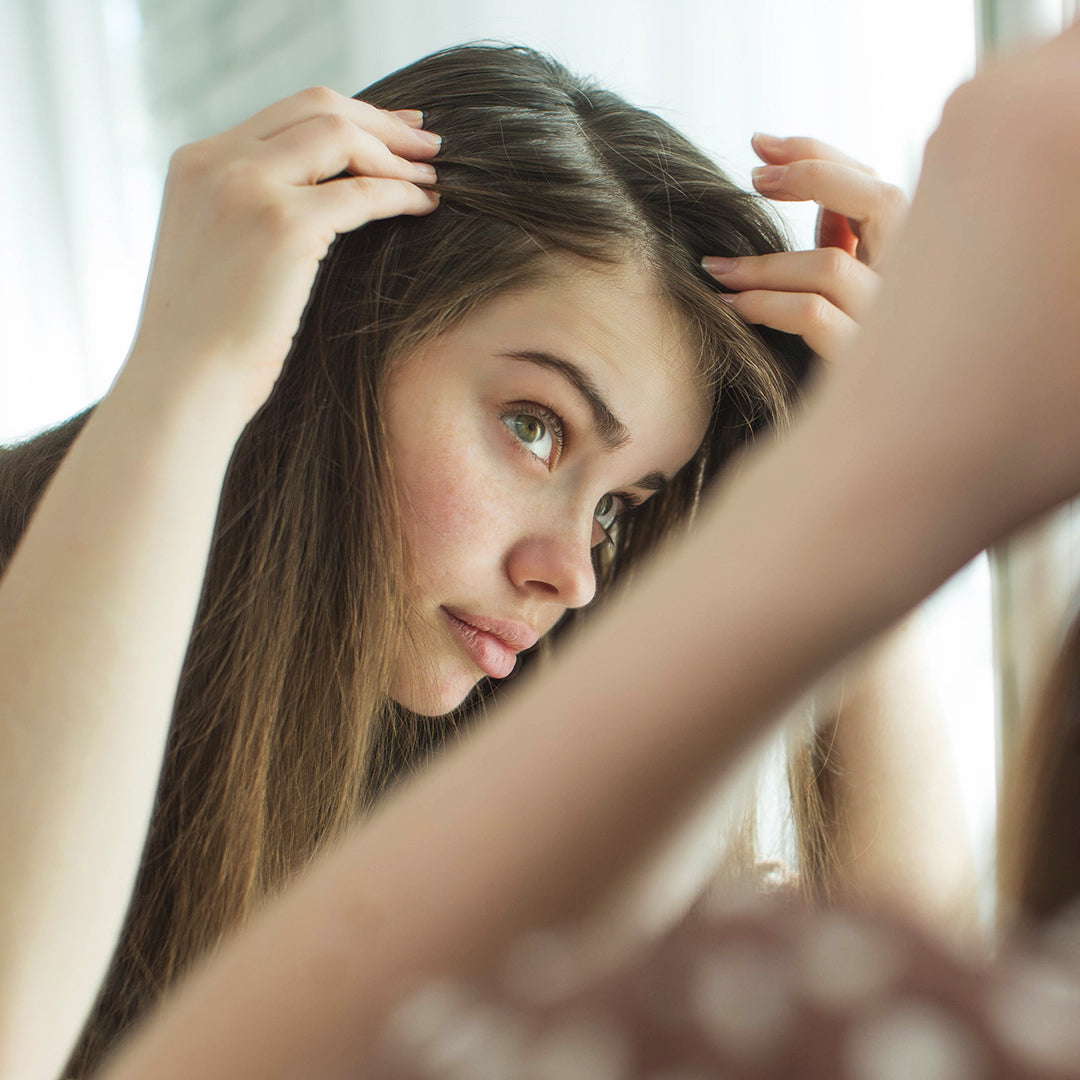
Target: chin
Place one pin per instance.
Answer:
(435, 698)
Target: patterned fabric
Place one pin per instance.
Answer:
(761, 992)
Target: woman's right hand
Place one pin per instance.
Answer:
(246, 218)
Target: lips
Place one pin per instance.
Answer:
(492, 644)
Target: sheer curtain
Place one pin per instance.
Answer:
(77, 204)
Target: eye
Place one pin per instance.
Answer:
(609, 510)
(538, 430)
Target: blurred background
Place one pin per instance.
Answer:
(100, 92)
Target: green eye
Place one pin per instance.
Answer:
(528, 429)
(538, 436)
(607, 510)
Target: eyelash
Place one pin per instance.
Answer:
(553, 422)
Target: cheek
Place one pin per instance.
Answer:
(453, 509)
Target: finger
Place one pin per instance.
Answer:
(847, 190)
(413, 117)
(399, 135)
(345, 204)
(325, 145)
(874, 208)
(783, 151)
(829, 272)
(823, 326)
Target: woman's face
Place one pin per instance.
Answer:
(517, 438)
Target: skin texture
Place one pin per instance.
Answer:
(501, 525)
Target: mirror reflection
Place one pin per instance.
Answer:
(423, 384)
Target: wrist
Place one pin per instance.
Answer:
(164, 389)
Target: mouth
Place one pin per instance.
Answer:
(491, 644)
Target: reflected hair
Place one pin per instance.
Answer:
(1039, 810)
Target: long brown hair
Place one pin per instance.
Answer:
(282, 734)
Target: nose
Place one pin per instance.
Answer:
(554, 565)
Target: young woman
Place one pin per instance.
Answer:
(486, 412)
(957, 425)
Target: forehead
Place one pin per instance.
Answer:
(613, 320)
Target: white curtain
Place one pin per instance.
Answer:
(77, 204)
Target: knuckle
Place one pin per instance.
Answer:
(835, 262)
(364, 107)
(892, 199)
(322, 97)
(192, 159)
(365, 187)
(812, 149)
(814, 311)
(334, 124)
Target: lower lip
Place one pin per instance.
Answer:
(489, 653)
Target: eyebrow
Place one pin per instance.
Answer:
(613, 433)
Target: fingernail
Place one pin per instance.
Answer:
(768, 177)
(412, 117)
(728, 297)
(715, 264)
(767, 142)
(425, 173)
(431, 137)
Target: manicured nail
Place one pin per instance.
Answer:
(715, 264)
(424, 173)
(768, 177)
(431, 137)
(728, 297)
(412, 117)
(766, 142)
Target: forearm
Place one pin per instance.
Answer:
(96, 609)
(584, 775)
(892, 788)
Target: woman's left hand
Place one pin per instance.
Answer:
(821, 295)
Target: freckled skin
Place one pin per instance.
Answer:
(492, 529)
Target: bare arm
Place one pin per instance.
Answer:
(531, 820)
(131, 533)
(97, 604)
